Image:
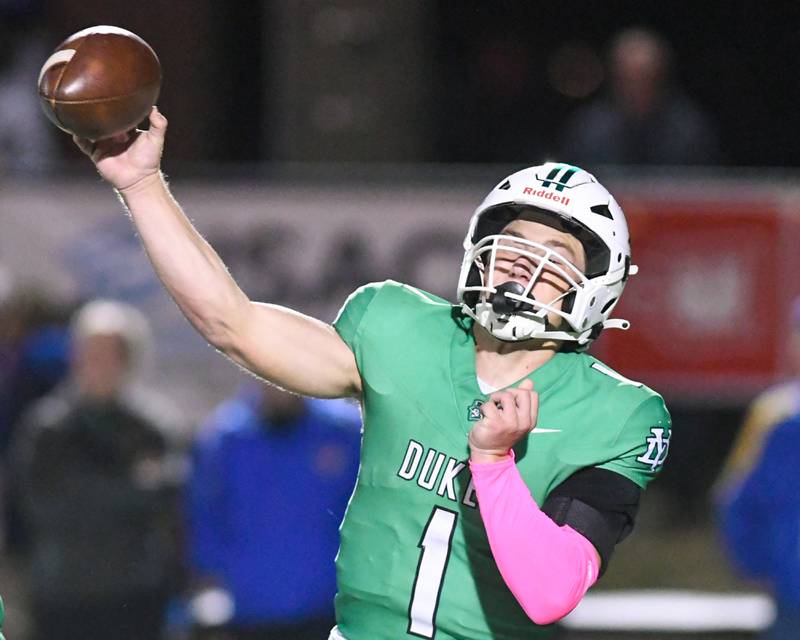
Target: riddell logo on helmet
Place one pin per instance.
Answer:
(546, 194)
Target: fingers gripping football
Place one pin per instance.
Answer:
(508, 416)
(127, 158)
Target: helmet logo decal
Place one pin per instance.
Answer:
(603, 210)
(560, 184)
(547, 195)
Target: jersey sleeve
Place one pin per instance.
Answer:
(351, 316)
(644, 442)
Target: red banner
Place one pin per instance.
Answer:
(709, 308)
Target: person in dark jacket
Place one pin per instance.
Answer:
(99, 471)
(271, 478)
(760, 521)
(645, 119)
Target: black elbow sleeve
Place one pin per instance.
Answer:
(599, 504)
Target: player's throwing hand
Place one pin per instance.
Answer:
(508, 416)
(128, 158)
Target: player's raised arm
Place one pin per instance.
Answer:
(287, 348)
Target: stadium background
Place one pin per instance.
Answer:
(320, 145)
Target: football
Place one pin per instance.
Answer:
(99, 82)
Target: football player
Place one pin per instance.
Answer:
(500, 464)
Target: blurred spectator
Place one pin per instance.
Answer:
(756, 494)
(645, 119)
(27, 141)
(34, 347)
(770, 408)
(760, 520)
(272, 476)
(99, 469)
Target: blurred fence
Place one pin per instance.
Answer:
(667, 614)
(717, 258)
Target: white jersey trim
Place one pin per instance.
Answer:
(336, 634)
(485, 387)
(613, 374)
(426, 297)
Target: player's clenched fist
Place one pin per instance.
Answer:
(508, 416)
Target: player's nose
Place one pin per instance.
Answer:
(522, 270)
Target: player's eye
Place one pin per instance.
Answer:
(562, 251)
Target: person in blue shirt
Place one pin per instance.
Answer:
(760, 522)
(272, 475)
(771, 407)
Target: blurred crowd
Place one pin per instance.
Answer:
(635, 110)
(120, 515)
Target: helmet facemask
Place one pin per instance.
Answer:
(509, 310)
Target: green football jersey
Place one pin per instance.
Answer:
(414, 559)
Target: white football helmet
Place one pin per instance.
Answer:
(571, 200)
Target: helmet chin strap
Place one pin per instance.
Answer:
(508, 326)
(498, 318)
(511, 319)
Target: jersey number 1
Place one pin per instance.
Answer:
(436, 541)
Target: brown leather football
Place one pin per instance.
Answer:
(99, 82)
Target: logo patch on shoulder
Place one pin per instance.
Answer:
(474, 411)
(657, 449)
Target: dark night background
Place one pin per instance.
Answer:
(478, 84)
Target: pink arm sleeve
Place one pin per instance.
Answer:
(548, 568)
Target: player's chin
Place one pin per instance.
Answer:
(555, 322)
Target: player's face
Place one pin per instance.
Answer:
(510, 265)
